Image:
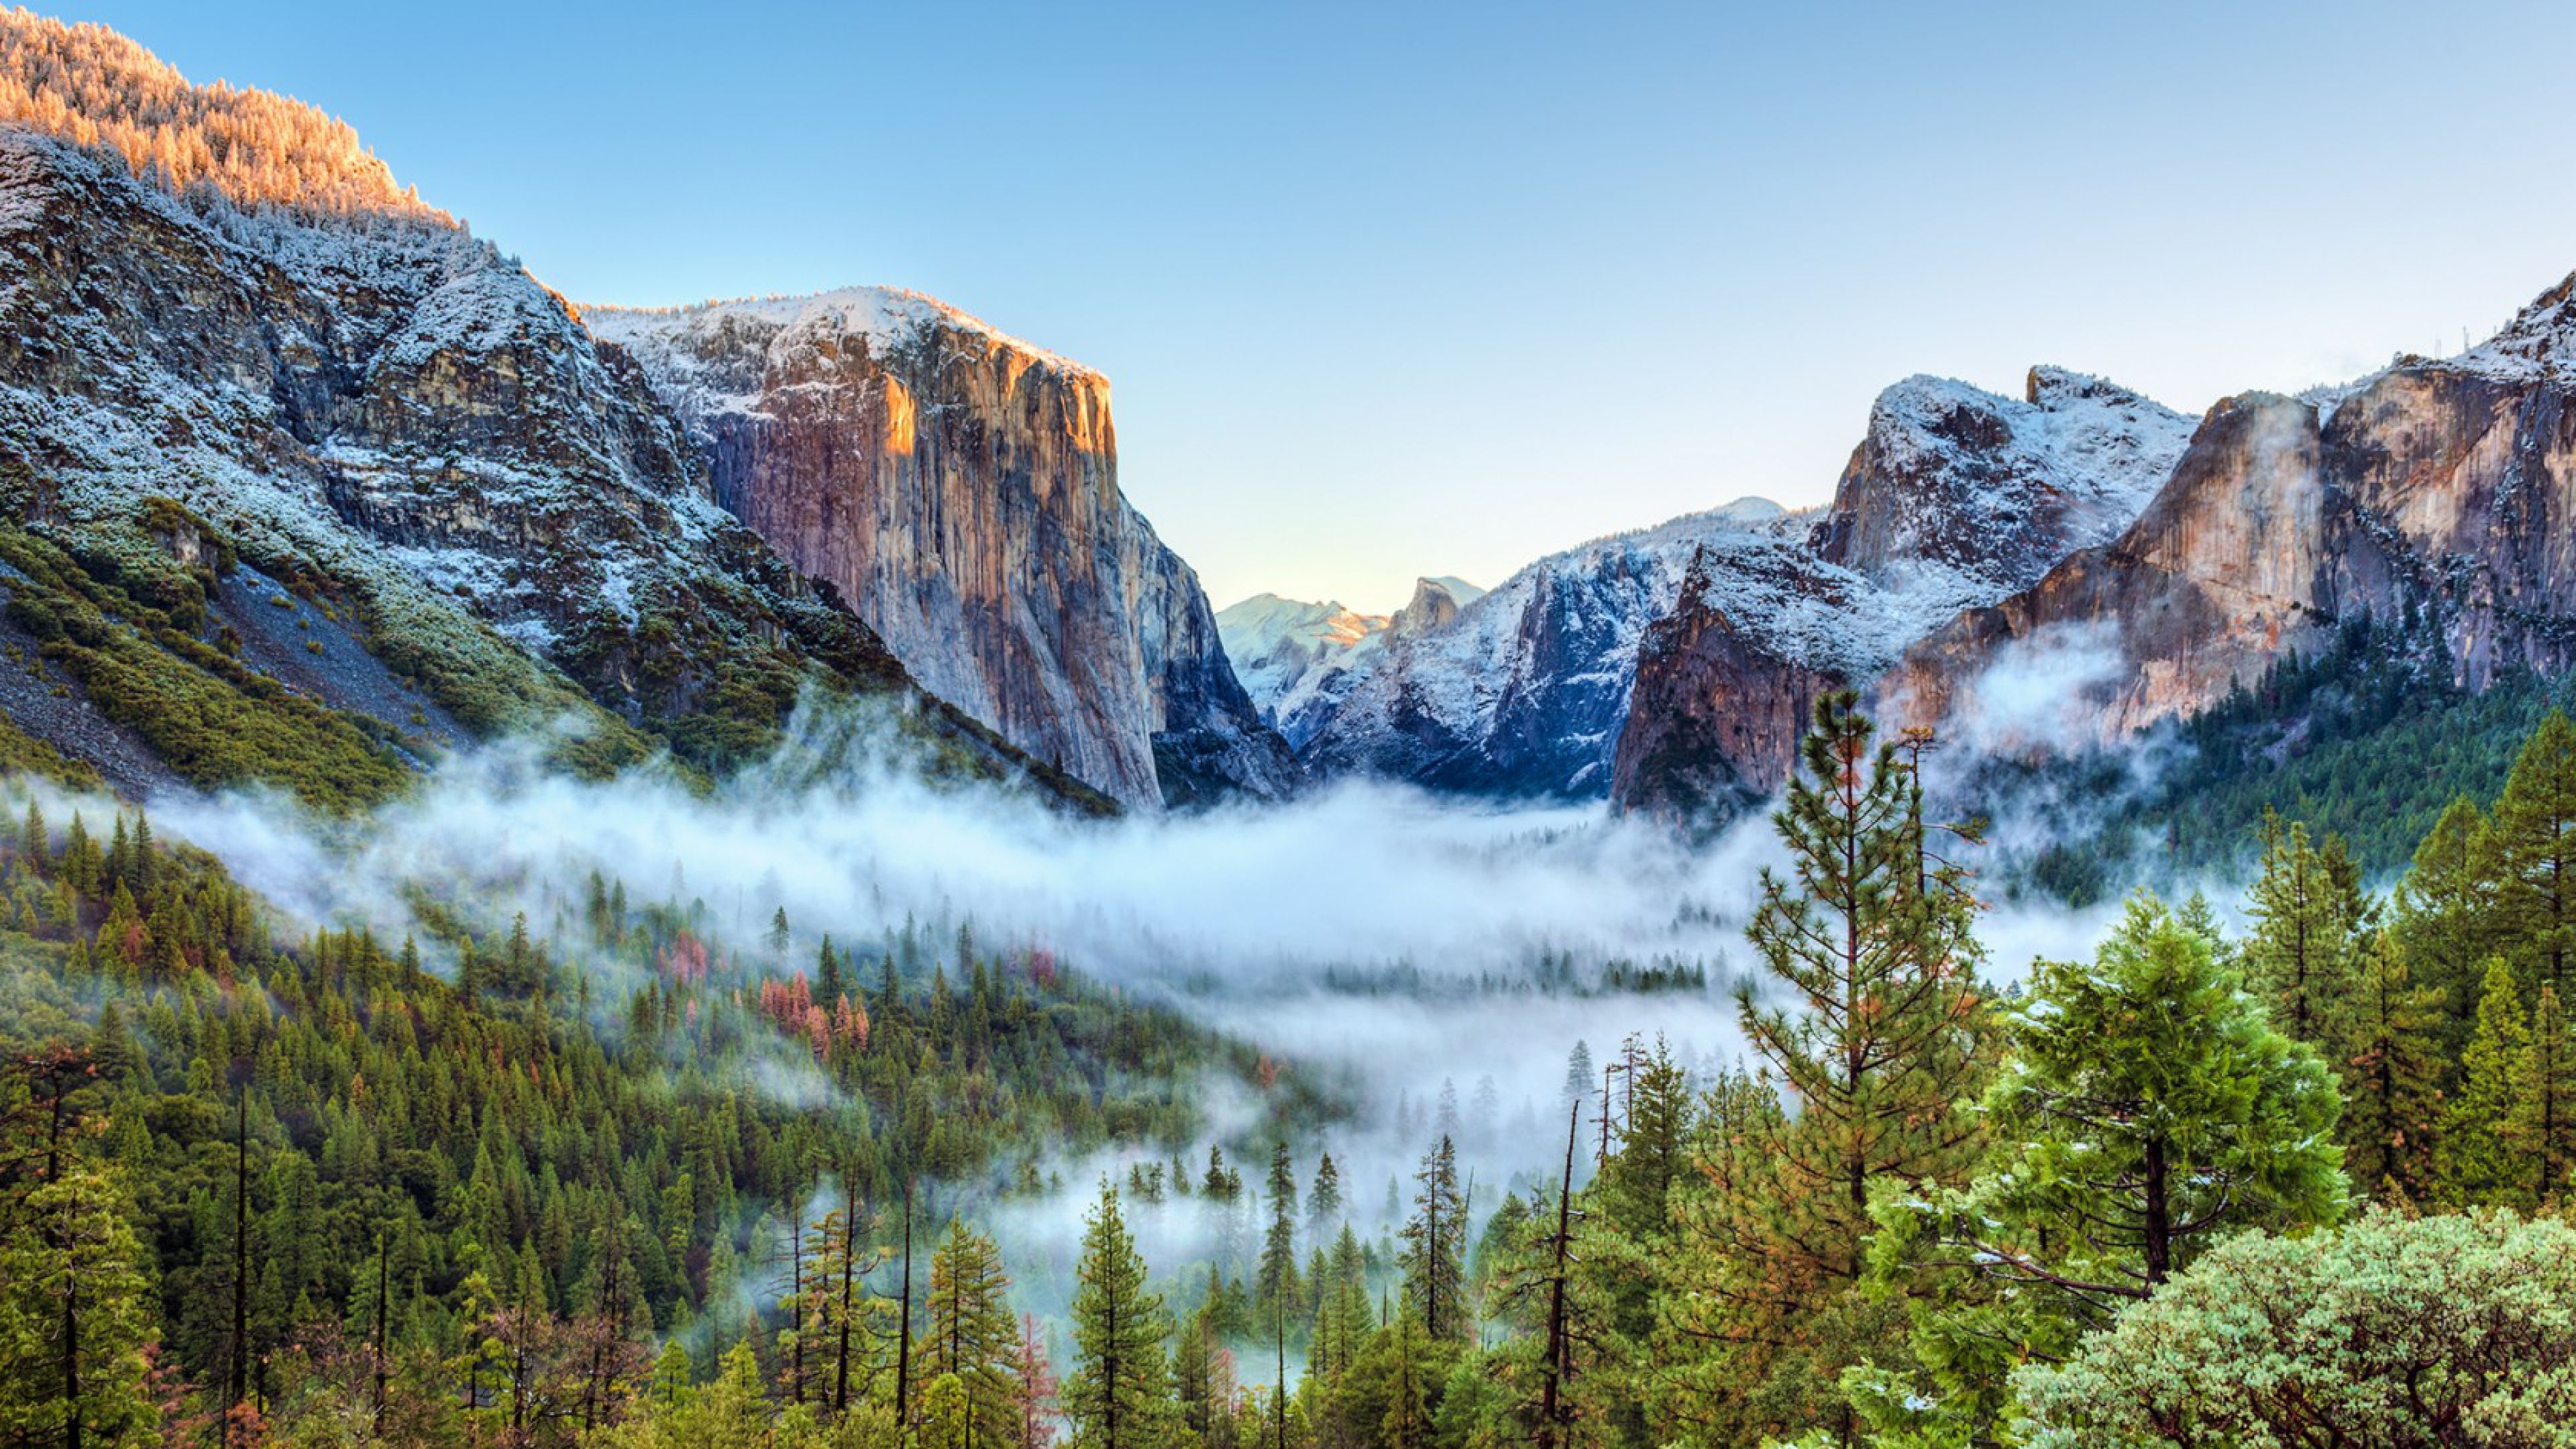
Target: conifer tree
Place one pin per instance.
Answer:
(2543, 1128)
(2534, 844)
(2445, 921)
(2391, 1070)
(2149, 1110)
(1119, 1393)
(1882, 1031)
(1324, 1199)
(1435, 1240)
(1275, 1283)
(2474, 1160)
(2306, 911)
(972, 1336)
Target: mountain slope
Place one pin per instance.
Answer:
(386, 419)
(2440, 493)
(1520, 691)
(959, 487)
(1955, 498)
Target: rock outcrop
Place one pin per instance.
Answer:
(960, 489)
(1521, 692)
(2438, 494)
(2441, 491)
(394, 421)
(1955, 499)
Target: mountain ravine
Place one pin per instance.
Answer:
(960, 489)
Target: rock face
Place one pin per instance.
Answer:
(1520, 692)
(1959, 496)
(1299, 661)
(960, 489)
(2440, 493)
(389, 417)
(1291, 654)
(1954, 499)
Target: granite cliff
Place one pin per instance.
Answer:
(959, 487)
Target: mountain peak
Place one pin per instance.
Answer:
(92, 87)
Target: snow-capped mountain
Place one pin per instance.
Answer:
(229, 341)
(1298, 659)
(960, 488)
(1519, 691)
(2437, 490)
(2146, 580)
(1954, 498)
(1288, 651)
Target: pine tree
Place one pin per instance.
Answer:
(2543, 1128)
(2445, 916)
(972, 1336)
(2391, 1069)
(1119, 1394)
(1275, 1283)
(1883, 1033)
(2150, 1110)
(2305, 911)
(1435, 1241)
(1324, 1199)
(2473, 1160)
(2534, 841)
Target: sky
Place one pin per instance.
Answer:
(1394, 289)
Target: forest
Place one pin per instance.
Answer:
(2290, 1169)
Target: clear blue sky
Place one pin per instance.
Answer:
(1394, 289)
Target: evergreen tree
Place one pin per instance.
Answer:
(75, 1313)
(1119, 1393)
(2543, 1127)
(2534, 843)
(2391, 1068)
(1435, 1240)
(2306, 909)
(2148, 1111)
(2474, 1162)
(2445, 922)
(1324, 1199)
(1275, 1284)
(973, 1338)
(1871, 1017)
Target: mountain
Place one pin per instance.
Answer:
(1298, 660)
(2439, 493)
(1955, 498)
(1521, 691)
(306, 483)
(1289, 652)
(2434, 498)
(960, 488)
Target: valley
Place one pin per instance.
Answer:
(673, 878)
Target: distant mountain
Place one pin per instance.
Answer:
(1605, 670)
(1955, 498)
(2141, 583)
(1517, 692)
(1298, 659)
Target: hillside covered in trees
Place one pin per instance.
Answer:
(593, 1181)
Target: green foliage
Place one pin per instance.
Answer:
(123, 629)
(2146, 1110)
(2394, 1332)
(1120, 1395)
(2368, 740)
